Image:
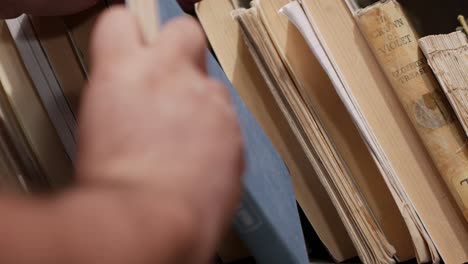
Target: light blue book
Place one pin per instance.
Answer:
(267, 219)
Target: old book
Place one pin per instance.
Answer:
(333, 173)
(44, 81)
(43, 157)
(448, 57)
(319, 95)
(311, 124)
(226, 39)
(395, 44)
(432, 217)
(422, 244)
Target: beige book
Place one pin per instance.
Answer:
(407, 168)
(225, 37)
(369, 240)
(394, 42)
(147, 13)
(424, 248)
(317, 90)
(31, 115)
(17, 154)
(448, 57)
(52, 34)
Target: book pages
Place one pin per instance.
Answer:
(333, 35)
(448, 57)
(225, 37)
(371, 244)
(315, 87)
(420, 239)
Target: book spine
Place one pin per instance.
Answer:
(394, 42)
(147, 14)
(448, 57)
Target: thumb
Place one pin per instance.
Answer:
(115, 35)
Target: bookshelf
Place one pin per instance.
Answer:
(332, 61)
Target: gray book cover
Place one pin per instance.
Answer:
(267, 219)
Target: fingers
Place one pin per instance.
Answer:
(183, 39)
(116, 34)
(220, 93)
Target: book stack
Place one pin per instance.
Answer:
(371, 129)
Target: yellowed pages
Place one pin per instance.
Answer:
(447, 54)
(225, 37)
(355, 63)
(369, 241)
(321, 96)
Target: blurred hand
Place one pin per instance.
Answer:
(159, 160)
(155, 123)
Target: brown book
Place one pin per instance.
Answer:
(395, 45)
(319, 95)
(52, 34)
(41, 136)
(323, 107)
(225, 37)
(368, 239)
(432, 215)
(448, 57)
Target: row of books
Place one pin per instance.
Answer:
(371, 129)
(372, 134)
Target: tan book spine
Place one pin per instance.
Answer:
(394, 43)
(147, 14)
(448, 57)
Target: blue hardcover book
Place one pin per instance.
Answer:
(267, 219)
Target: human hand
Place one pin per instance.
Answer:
(154, 123)
(13, 8)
